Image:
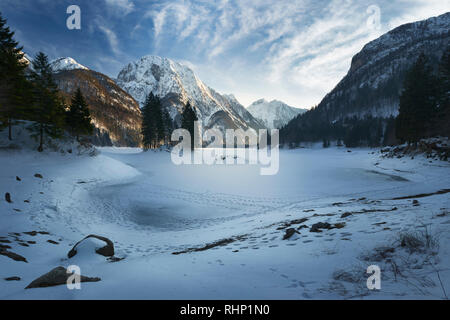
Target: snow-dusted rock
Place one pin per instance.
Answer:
(63, 64)
(57, 276)
(89, 243)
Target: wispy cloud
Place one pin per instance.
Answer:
(290, 50)
(122, 7)
(112, 39)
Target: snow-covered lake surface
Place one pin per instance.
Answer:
(151, 208)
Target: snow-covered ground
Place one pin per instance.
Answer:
(151, 209)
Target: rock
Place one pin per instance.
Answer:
(12, 255)
(52, 242)
(289, 233)
(416, 203)
(337, 204)
(8, 197)
(321, 225)
(325, 225)
(56, 277)
(13, 279)
(38, 175)
(18, 179)
(115, 259)
(107, 250)
(35, 233)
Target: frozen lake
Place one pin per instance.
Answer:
(151, 209)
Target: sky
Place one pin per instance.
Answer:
(295, 51)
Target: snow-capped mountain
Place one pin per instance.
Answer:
(274, 114)
(63, 64)
(115, 114)
(375, 80)
(176, 85)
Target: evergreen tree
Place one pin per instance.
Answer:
(417, 102)
(168, 126)
(48, 108)
(188, 119)
(13, 83)
(78, 117)
(147, 130)
(159, 122)
(153, 129)
(443, 112)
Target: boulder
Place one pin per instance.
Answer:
(325, 225)
(289, 233)
(321, 225)
(107, 250)
(56, 277)
(38, 175)
(8, 197)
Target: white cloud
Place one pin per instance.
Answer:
(112, 39)
(298, 50)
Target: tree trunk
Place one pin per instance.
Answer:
(9, 129)
(41, 143)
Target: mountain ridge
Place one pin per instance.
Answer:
(177, 84)
(274, 114)
(374, 82)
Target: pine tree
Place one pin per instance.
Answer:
(48, 108)
(159, 123)
(168, 126)
(443, 110)
(147, 130)
(13, 83)
(78, 117)
(188, 119)
(417, 102)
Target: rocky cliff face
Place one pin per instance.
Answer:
(374, 81)
(176, 85)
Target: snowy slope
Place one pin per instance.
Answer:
(274, 114)
(63, 64)
(176, 84)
